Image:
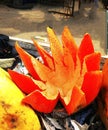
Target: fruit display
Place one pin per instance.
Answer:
(64, 87)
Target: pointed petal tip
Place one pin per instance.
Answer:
(17, 45)
(49, 28)
(87, 35)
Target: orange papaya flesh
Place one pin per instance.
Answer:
(26, 58)
(52, 77)
(91, 85)
(93, 61)
(24, 82)
(69, 42)
(77, 101)
(68, 60)
(43, 71)
(40, 102)
(62, 76)
(47, 58)
(59, 57)
(86, 47)
(56, 46)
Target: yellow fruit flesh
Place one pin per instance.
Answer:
(13, 114)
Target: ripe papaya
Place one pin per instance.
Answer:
(13, 113)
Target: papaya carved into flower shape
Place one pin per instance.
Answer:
(70, 74)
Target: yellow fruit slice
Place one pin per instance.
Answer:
(13, 114)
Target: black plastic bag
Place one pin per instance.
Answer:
(5, 48)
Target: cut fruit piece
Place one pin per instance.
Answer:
(86, 47)
(47, 58)
(25, 83)
(39, 102)
(91, 85)
(26, 58)
(70, 74)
